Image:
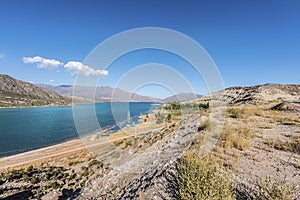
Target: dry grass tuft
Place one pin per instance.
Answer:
(239, 138)
(266, 126)
(290, 121)
(291, 144)
(235, 112)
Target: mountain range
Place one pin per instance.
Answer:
(101, 93)
(113, 94)
(17, 93)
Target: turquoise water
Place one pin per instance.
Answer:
(24, 129)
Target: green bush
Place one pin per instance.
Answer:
(168, 118)
(34, 180)
(172, 106)
(203, 106)
(53, 185)
(95, 162)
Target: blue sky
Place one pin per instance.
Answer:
(251, 42)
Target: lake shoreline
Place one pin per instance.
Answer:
(61, 150)
(39, 148)
(71, 145)
(29, 157)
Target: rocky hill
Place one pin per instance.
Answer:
(260, 94)
(16, 93)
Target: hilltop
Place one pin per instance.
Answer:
(18, 93)
(256, 95)
(182, 97)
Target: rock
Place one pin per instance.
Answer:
(290, 106)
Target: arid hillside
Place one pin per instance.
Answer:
(16, 93)
(256, 95)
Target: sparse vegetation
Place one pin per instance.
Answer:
(236, 137)
(186, 105)
(289, 121)
(235, 112)
(41, 180)
(118, 142)
(95, 162)
(266, 126)
(172, 106)
(205, 126)
(291, 144)
(74, 162)
(203, 178)
(271, 189)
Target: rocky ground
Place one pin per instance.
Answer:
(251, 165)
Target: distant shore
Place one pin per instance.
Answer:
(72, 104)
(36, 106)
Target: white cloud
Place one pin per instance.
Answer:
(80, 68)
(51, 81)
(2, 55)
(74, 67)
(43, 62)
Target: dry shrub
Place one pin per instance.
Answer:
(239, 138)
(203, 178)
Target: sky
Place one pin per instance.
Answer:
(251, 42)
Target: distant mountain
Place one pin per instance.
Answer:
(14, 92)
(182, 97)
(101, 93)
